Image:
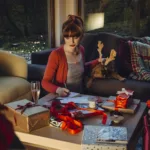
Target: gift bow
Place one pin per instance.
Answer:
(24, 107)
(127, 92)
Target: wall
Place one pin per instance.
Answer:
(62, 9)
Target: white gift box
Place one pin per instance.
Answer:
(104, 138)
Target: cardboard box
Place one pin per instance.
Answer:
(32, 118)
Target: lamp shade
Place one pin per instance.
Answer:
(95, 21)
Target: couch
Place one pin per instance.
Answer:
(13, 78)
(101, 87)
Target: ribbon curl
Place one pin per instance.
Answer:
(127, 92)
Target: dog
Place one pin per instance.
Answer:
(106, 67)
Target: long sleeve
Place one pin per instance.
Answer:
(92, 63)
(50, 73)
(88, 65)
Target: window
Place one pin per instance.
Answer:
(124, 17)
(23, 26)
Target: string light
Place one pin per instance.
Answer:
(26, 48)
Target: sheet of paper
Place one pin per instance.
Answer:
(72, 94)
(47, 104)
(79, 100)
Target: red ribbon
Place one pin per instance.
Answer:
(70, 124)
(73, 126)
(62, 113)
(24, 107)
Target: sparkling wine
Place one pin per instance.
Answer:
(35, 95)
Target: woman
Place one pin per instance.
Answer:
(65, 68)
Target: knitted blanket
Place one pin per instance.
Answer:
(140, 60)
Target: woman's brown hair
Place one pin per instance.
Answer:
(73, 26)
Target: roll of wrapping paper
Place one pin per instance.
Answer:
(126, 110)
(110, 105)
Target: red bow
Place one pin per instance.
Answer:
(23, 107)
(62, 113)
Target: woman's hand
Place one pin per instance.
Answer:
(62, 92)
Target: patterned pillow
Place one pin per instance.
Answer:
(145, 39)
(140, 60)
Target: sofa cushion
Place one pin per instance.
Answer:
(41, 57)
(89, 42)
(35, 72)
(13, 87)
(103, 87)
(12, 65)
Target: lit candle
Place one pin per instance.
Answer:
(92, 102)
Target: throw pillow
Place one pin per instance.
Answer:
(140, 60)
(145, 39)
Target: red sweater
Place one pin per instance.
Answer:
(57, 68)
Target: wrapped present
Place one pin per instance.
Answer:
(110, 104)
(124, 98)
(27, 116)
(96, 137)
(121, 100)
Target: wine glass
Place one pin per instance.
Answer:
(35, 90)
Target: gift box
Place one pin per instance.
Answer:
(26, 116)
(104, 138)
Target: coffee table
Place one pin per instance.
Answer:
(55, 139)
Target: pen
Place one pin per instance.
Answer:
(66, 88)
(65, 85)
